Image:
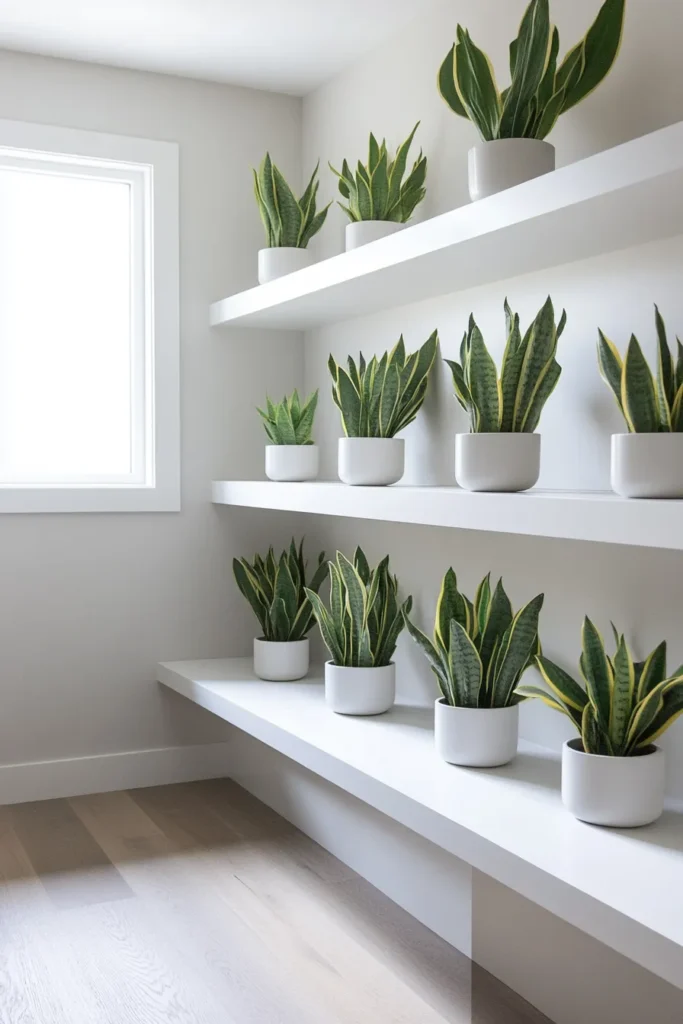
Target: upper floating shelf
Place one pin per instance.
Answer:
(625, 196)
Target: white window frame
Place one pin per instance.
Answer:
(151, 168)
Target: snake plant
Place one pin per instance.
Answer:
(288, 221)
(377, 191)
(288, 421)
(528, 376)
(277, 591)
(649, 404)
(380, 398)
(480, 649)
(362, 625)
(541, 88)
(623, 705)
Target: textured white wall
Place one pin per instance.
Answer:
(89, 603)
(641, 590)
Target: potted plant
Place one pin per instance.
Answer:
(478, 654)
(360, 630)
(613, 774)
(502, 452)
(377, 400)
(514, 123)
(379, 201)
(291, 455)
(647, 462)
(277, 591)
(290, 223)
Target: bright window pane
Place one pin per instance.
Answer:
(66, 370)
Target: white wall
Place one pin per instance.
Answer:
(642, 590)
(89, 603)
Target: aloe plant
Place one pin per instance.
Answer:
(623, 705)
(541, 89)
(380, 398)
(528, 376)
(288, 421)
(277, 591)
(288, 221)
(649, 404)
(479, 649)
(377, 191)
(363, 623)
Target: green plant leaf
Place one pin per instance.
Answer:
(597, 672)
(284, 425)
(288, 209)
(531, 60)
(568, 692)
(327, 628)
(665, 384)
(450, 605)
(249, 589)
(462, 392)
(350, 403)
(601, 47)
(356, 603)
(434, 657)
(498, 620)
(651, 672)
(644, 714)
(638, 392)
(398, 167)
(465, 666)
(305, 425)
(547, 382)
(526, 690)
(611, 366)
(538, 355)
(677, 411)
(379, 187)
(476, 85)
(482, 603)
(483, 382)
(672, 707)
(517, 646)
(622, 697)
(389, 400)
(447, 86)
(592, 735)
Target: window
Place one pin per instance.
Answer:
(89, 417)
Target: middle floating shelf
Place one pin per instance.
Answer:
(619, 198)
(570, 515)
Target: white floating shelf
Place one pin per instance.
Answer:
(622, 197)
(570, 515)
(620, 886)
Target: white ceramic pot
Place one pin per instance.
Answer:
(647, 465)
(619, 791)
(371, 460)
(476, 737)
(497, 462)
(498, 165)
(281, 662)
(360, 232)
(278, 262)
(359, 691)
(292, 462)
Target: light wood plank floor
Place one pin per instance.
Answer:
(196, 904)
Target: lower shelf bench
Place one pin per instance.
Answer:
(623, 887)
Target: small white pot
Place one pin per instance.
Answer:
(371, 460)
(278, 262)
(619, 791)
(281, 662)
(359, 691)
(476, 737)
(292, 462)
(498, 165)
(497, 462)
(647, 465)
(360, 232)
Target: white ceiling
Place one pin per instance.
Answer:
(285, 45)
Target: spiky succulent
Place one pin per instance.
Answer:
(277, 591)
(377, 191)
(528, 376)
(362, 625)
(288, 221)
(288, 421)
(479, 650)
(623, 705)
(649, 404)
(380, 398)
(541, 89)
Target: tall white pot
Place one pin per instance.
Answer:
(476, 737)
(647, 465)
(280, 261)
(360, 232)
(497, 462)
(364, 461)
(620, 791)
(292, 462)
(281, 662)
(501, 164)
(359, 691)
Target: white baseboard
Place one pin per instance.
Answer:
(103, 773)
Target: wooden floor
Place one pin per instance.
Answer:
(198, 905)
